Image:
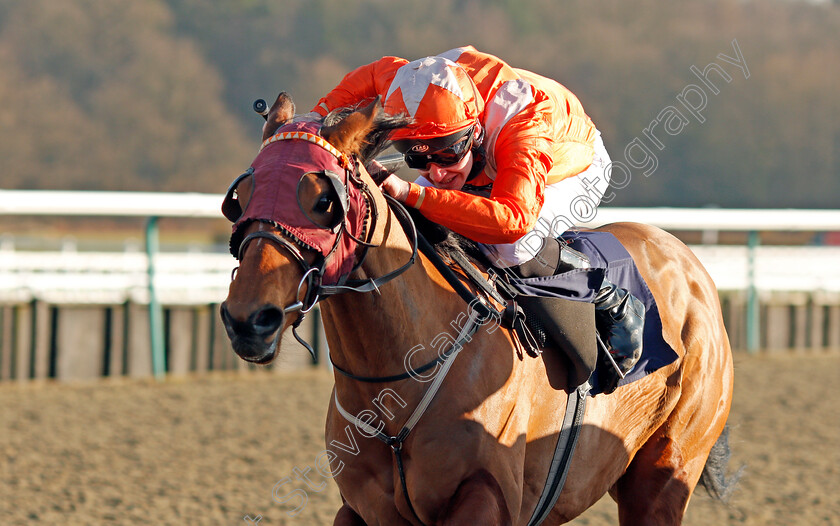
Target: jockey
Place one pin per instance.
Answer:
(505, 157)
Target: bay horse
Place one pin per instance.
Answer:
(480, 452)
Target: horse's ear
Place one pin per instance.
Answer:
(349, 135)
(280, 113)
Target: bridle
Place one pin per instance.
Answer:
(312, 274)
(287, 241)
(316, 291)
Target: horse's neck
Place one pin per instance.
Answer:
(372, 333)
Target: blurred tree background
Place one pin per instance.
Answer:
(155, 95)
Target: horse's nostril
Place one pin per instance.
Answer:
(268, 320)
(227, 319)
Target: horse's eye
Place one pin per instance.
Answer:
(322, 205)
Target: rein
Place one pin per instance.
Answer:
(485, 313)
(353, 285)
(479, 314)
(371, 284)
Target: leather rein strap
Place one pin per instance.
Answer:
(369, 285)
(484, 312)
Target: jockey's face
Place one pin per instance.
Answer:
(450, 177)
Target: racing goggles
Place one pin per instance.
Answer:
(423, 153)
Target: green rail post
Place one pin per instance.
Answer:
(753, 327)
(155, 310)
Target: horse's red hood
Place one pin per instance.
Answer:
(277, 170)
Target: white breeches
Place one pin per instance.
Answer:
(568, 203)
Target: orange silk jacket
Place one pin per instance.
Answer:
(536, 134)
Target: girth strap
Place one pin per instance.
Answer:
(566, 443)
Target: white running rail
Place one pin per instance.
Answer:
(193, 278)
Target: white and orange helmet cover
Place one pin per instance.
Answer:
(437, 94)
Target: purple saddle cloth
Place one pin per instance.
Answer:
(609, 259)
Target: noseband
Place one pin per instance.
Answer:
(310, 273)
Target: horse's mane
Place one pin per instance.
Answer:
(445, 241)
(377, 140)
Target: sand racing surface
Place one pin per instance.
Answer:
(211, 449)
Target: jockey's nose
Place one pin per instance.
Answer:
(436, 173)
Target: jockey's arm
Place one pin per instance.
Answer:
(515, 201)
(360, 85)
(525, 161)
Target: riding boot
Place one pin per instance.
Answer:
(620, 320)
(619, 316)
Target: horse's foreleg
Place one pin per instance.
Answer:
(347, 517)
(479, 500)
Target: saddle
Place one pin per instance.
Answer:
(541, 322)
(556, 314)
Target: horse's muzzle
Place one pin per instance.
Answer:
(256, 338)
